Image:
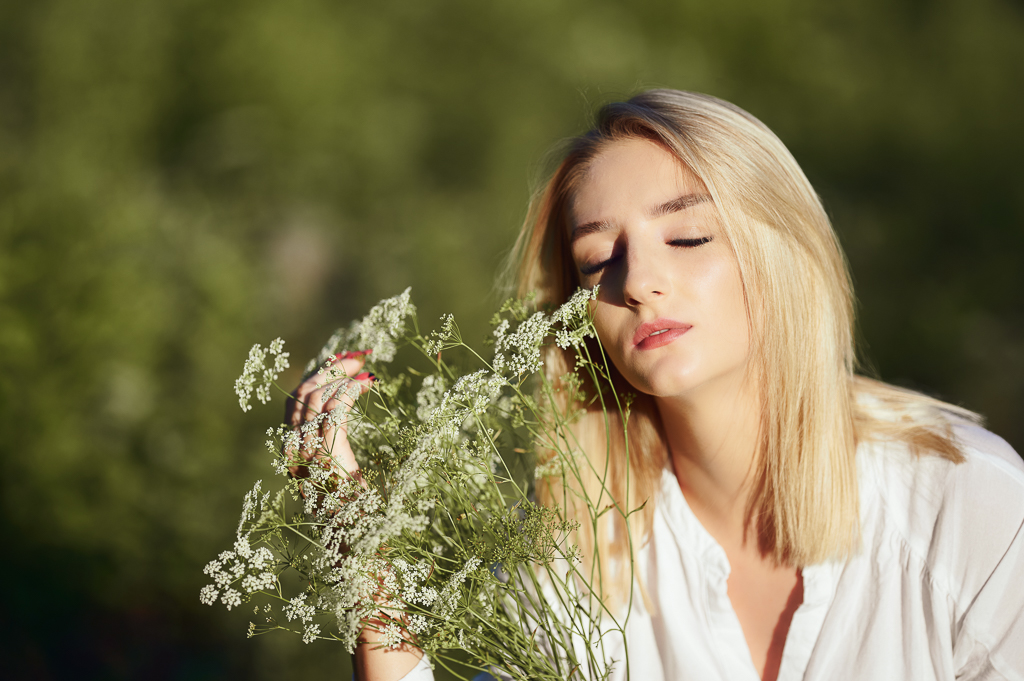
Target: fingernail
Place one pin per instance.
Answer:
(363, 376)
(351, 354)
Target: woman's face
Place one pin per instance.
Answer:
(670, 310)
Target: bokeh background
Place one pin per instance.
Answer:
(182, 178)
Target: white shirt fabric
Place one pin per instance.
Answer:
(937, 591)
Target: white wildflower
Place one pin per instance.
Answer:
(500, 331)
(383, 325)
(259, 582)
(208, 595)
(296, 608)
(261, 558)
(231, 598)
(519, 352)
(244, 383)
(280, 358)
(242, 548)
(309, 492)
(311, 633)
(448, 599)
(254, 366)
(392, 635)
(418, 624)
(499, 362)
(378, 331)
(429, 396)
(441, 339)
(476, 391)
(574, 318)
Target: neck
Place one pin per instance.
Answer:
(713, 437)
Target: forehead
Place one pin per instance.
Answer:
(631, 174)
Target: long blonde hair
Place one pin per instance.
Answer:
(815, 409)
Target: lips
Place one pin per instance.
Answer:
(660, 332)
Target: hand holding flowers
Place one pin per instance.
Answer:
(437, 543)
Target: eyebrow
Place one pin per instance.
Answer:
(674, 206)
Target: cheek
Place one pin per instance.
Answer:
(726, 307)
(604, 322)
(615, 331)
(612, 330)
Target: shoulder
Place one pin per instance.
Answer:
(959, 519)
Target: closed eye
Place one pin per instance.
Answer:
(681, 243)
(597, 267)
(691, 243)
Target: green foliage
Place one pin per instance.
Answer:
(180, 177)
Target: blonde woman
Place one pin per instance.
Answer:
(802, 522)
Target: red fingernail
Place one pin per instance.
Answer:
(363, 376)
(351, 354)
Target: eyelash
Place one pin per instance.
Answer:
(680, 243)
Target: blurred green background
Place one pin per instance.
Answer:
(181, 178)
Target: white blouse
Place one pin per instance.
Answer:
(937, 591)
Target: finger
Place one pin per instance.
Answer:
(318, 391)
(293, 408)
(331, 393)
(300, 398)
(336, 392)
(319, 385)
(344, 393)
(305, 402)
(334, 427)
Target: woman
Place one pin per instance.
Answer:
(802, 522)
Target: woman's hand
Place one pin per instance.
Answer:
(315, 402)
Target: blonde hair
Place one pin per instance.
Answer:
(800, 309)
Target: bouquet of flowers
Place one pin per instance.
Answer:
(439, 542)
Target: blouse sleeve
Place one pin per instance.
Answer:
(990, 644)
(421, 672)
(988, 632)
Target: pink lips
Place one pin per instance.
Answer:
(644, 340)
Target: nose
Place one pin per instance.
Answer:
(645, 279)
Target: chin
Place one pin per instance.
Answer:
(664, 382)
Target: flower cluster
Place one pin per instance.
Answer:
(429, 397)
(248, 569)
(257, 375)
(444, 337)
(574, 319)
(437, 541)
(380, 330)
(518, 352)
